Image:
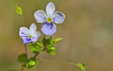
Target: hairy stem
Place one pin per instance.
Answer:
(22, 19)
(56, 61)
(38, 53)
(22, 69)
(25, 49)
(42, 50)
(25, 44)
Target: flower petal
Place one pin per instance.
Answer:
(36, 36)
(48, 28)
(58, 17)
(40, 16)
(26, 40)
(33, 29)
(50, 8)
(23, 32)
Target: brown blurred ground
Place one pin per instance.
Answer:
(87, 34)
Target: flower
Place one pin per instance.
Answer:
(29, 35)
(49, 28)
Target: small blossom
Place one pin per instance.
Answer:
(29, 35)
(49, 28)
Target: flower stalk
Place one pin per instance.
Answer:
(56, 61)
(42, 50)
(22, 69)
(26, 50)
(22, 19)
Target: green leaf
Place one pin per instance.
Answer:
(53, 48)
(22, 58)
(39, 44)
(52, 43)
(52, 53)
(49, 47)
(50, 39)
(24, 65)
(57, 40)
(31, 63)
(41, 52)
(81, 66)
(45, 42)
(18, 9)
(34, 48)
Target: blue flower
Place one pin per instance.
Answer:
(49, 28)
(29, 35)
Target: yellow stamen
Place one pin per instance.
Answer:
(29, 36)
(49, 19)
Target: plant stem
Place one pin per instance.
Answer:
(44, 36)
(39, 52)
(22, 69)
(25, 44)
(25, 49)
(57, 61)
(22, 19)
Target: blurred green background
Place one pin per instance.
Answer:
(87, 34)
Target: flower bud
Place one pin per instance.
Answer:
(57, 40)
(18, 9)
(53, 48)
(39, 44)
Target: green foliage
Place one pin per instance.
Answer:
(39, 44)
(31, 63)
(49, 44)
(18, 9)
(53, 48)
(52, 43)
(22, 58)
(57, 40)
(81, 66)
(45, 42)
(52, 53)
(35, 48)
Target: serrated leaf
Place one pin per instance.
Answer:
(18, 10)
(22, 58)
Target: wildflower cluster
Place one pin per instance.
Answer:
(31, 35)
